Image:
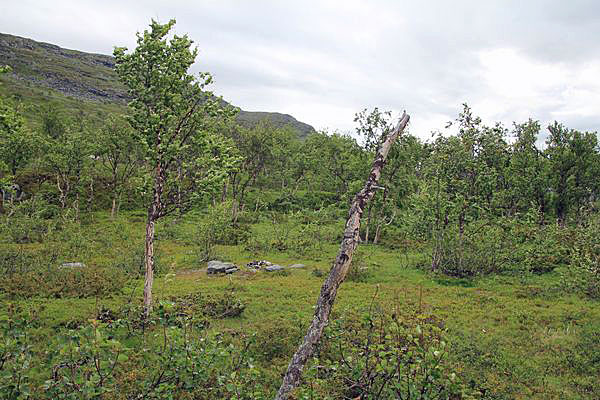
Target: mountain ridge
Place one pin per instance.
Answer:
(89, 77)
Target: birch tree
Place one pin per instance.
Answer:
(173, 118)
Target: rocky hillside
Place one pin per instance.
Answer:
(85, 77)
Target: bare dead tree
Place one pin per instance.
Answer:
(340, 267)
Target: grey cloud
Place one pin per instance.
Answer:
(324, 60)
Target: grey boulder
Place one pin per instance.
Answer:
(274, 267)
(220, 267)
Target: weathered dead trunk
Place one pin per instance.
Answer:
(340, 267)
(368, 224)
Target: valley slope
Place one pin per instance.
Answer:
(45, 73)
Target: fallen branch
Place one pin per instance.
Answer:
(340, 267)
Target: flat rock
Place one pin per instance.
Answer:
(72, 265)
(220, 267)
(274, 267)
(297, 266)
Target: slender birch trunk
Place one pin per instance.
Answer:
(340, 267)
(149, 264)
(153, 214)
(113, 210)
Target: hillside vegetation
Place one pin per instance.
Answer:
(74, 80)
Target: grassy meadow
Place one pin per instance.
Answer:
(509, 337)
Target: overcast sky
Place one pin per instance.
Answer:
(323, 61)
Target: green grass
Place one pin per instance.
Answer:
(515, 337)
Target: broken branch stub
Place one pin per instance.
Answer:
(340, 267)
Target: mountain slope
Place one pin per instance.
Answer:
(84, 80)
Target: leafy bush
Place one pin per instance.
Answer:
(28, 221)
(226, 305)
(37, 272)
(502, 246)
(61, 283)
(317, 273)
(91, 362)
(223, 305)
(212, 228)
(15, 354)
(303, 200)
(278, 339)
(296, 234)
(383, 355)
(360, 269)
(583, 273)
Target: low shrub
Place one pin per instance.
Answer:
(224, 305)
(37, 272)
(278, 339)
(295, 234)
(29, 221)
(502, 246)
(582, 275)
(384, 355)
(65, 282)
(360, 268)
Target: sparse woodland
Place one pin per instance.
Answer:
(476, 275)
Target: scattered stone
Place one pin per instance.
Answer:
(72, 265)
(274, 267)
(220, 267)
(258, 264)
(297, 266)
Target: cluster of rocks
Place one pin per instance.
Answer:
(264, 265)
(259, 264)
(269, 266)
(220, 267)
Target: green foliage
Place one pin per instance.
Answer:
(301, 234)
(85, 363)
(120, 157)
(15, 354)
(360, 269)
(67, 150)
(91, 363)
(503, 246)
(583, 272)
(216, 228)
(28, 221)
(50, 281)
(174, 119)
(574, 168)
(584, 358)
(384, 355)
(18, 145)
(198, 305)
